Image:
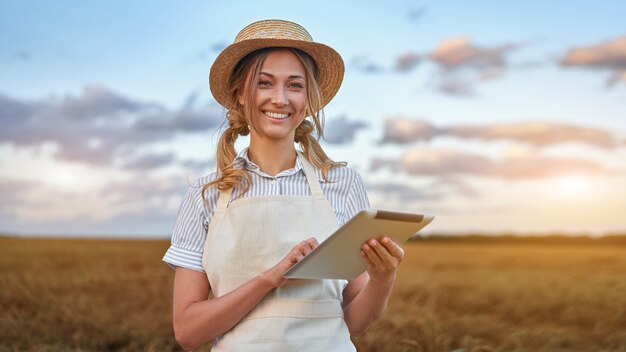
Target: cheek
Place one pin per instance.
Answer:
(299, 121)
(300, 102)
(259, 97)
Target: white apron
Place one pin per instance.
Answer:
(252, 235)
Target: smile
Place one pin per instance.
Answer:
(276, 115)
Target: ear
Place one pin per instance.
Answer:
(240, 99)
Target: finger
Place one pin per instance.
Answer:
(393, 247)
(371, 254)
(312, 242)
(367, 260)
(304, 248)
(388, 261)
(296, 257)
(308, 246)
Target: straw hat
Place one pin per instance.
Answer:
(275, 33)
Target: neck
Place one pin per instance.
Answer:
(272, 157)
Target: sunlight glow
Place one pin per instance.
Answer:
(572, 185)
(69, 178)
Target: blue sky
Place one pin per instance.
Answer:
(492, 116)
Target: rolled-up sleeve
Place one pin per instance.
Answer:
(189, 233)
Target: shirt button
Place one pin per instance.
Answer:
(273, 182)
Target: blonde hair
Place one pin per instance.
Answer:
(239, 119)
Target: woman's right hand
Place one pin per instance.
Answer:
(197, 320)
(274, 276)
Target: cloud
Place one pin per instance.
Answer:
(400, 130)
(425, 198)
(464, 64)
(134, 192)
(609, 55)
(150, 161)
(461, 63)
(364, 65)
(379, 163)
(419, 161)
(457, 186)
(99, 126)
(29, 200)
(541, 167)
(187, 119)
(11, 191)
(537, 133)
(407, 61)
(14, 113)
(446, 162)
(340, 130)
(457, 87)
(140, 206)
(199, 167)
(404, 64)
(404, 193)
(458, 53)
(97, 101)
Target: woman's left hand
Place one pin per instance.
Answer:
(382, 256)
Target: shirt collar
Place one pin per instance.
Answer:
(243, 161)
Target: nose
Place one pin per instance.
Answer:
(279, 97)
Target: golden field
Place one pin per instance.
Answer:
(451, 295)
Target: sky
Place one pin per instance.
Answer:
(494, 117)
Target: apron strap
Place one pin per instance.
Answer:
(222, 201)
(311, 177)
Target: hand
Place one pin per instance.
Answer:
(382, 257)
(274, 276)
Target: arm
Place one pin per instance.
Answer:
(197, 319)
(365, 297)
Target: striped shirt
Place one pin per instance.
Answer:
(344, 190)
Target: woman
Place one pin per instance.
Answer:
(267, 207)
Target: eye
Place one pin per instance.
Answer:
(265, 83)
(296, 85)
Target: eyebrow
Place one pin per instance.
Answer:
(272, 76)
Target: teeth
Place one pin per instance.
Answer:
(276, 115)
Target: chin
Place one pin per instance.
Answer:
(275, 135)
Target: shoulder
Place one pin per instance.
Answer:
(199, 182)
(345, 190)
(194, 190)
(342, 174)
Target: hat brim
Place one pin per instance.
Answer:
(329, 63)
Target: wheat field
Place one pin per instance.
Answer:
(462, 296)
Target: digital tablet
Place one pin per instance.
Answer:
(338, 257)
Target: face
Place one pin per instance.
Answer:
(279, 99)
